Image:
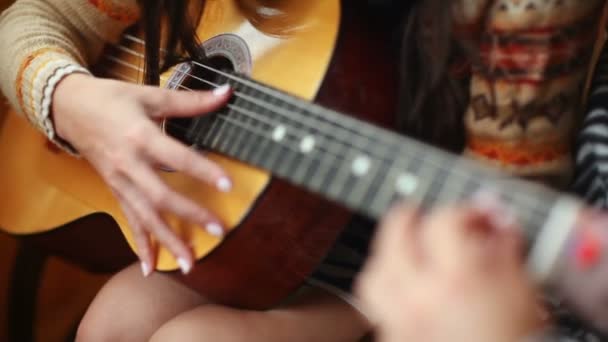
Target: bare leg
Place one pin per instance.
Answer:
(314, 316)
(131, 307)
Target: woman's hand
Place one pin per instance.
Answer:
(114, 126)
(452, 275)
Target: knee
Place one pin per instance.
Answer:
(96, 328)
(217, 324)
(130, 307)
(107, 317)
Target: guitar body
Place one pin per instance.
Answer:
(319, 50)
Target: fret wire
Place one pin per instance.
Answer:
(276, 160)
(432, 195)
(366, 183)
(212, 132)
(533, 216)
(229, 135)
(201, 125)
(303, 166)
(457, 192)
(251, 143)
(349, 183)
(220, 133)
(289, 161)
(261, 155)
(235, 145)
(318, 175)
(362, 187)
(381, 176)
(342, 172)
(216, 126)
(236, 142)
(221, 126)
(385, 194)
(225, 144)
(218, 136)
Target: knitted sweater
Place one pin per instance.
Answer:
(528, 82)
(525, 91)
(43, 41)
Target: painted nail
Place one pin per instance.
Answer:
(184, 265)
(221, 90)
(503, 220)
(486, 200)
(489, 203)
(145, 269)
(224, 184)
(214, 229)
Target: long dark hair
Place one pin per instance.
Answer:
(180, 18)
(434, 63)
(433, 93)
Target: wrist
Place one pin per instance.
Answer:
(65, 100)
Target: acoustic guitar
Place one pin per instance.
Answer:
(300, 165)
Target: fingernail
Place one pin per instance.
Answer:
(221, 90)
(224, 184)
(145, 269)
(503, 220)
(214, 229)
(486, 200)
(184, 265)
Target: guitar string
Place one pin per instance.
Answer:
(389, 138)
(236, 108)
(373, 134)
(438, 164)
(527, 198)
(332, 139)
(269, 106)
(393, 143)
(225, 119)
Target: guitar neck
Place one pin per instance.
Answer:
(361, 166)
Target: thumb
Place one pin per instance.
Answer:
(170, 103)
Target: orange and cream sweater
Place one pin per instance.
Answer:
(527, 84)
(526, 88)
(42, 41)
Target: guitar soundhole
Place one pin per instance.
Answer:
(189, 76)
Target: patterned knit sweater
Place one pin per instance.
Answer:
(528, 82)
(525, 90)
(43, 41)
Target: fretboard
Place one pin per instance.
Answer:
(361, 166)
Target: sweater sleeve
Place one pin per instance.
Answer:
(591, 177)
(42, 41)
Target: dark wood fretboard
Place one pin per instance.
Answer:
(361, 166)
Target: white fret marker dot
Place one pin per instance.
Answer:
(361, 165)
(307, 144)
(406, 184)
(279, 133)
